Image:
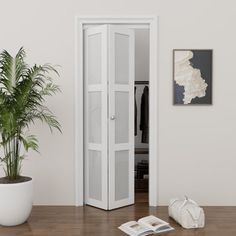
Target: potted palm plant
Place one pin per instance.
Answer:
(23, 90)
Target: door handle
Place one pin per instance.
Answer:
(113, 117)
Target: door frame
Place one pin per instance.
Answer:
(152, 21)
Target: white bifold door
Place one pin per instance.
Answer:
(109, 116)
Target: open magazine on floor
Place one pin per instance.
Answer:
(145, 226)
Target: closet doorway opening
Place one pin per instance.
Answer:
(117, 173)
(141, 115)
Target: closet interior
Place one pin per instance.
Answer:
(141, 114)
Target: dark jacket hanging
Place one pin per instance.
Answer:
(144, 119)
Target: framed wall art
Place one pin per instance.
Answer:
(192, 76)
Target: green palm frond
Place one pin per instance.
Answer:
(23, 91)
(12, 69)
(29, 142)
(50, 89)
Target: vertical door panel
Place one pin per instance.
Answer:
(121, 110)
(95, 117)
(95, 175)
(122, 117)
(121, 43)
(95, 93)
(121, 175)
(94, 48)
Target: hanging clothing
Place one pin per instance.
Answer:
(135, 114)
(144, 118)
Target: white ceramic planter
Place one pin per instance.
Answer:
(15, 203)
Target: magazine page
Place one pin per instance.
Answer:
(164, 228)
(152, 222)
(135, 229)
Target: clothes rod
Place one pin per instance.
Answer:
(141, 82)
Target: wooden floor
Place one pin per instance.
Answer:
(72, 221)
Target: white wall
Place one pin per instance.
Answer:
(197, 144)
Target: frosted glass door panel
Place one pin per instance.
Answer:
(121, 59)
(122, 117)
(121, 175)
(95, 117)
(94, 58)
(95, 175)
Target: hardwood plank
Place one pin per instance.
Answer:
(71, 221)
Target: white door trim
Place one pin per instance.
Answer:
(152, 21)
